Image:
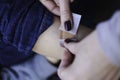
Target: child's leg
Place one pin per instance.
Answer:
(48, 43)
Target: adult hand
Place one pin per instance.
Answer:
(89, 62)
(62, 9)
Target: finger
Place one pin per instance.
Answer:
(51, 6)
(71, 45)
(66, 61)
(66, 16)
(57, 2)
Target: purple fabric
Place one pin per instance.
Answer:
(21, 23)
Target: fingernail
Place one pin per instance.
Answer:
(68, 26)
(67, 40)
(71, 40)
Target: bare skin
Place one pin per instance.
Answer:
(48, 43)
(60, 8)
(90, 62)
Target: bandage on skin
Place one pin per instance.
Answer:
(72, 33)
(48, 43)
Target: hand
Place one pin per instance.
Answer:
(60, 8)
(88, 63)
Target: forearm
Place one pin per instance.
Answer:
(108, 70)
(103, 47)
(109, 37)
(99, 67)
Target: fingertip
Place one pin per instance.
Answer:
(68, 25)
(66, 15)
(67, 44)
(63, 43)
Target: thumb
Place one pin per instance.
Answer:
(65, 62)
(66, 59)
(66, 15)
(71, 45)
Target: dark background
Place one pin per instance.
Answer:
(95, 11)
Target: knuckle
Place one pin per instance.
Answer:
(52, 8)
(66, 14)
(65, 11)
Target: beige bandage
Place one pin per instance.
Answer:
(72, 33)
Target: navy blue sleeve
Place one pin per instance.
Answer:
(21, 23)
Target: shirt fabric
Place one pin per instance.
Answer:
(109, 37)
(35, 68)
(21, 23)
